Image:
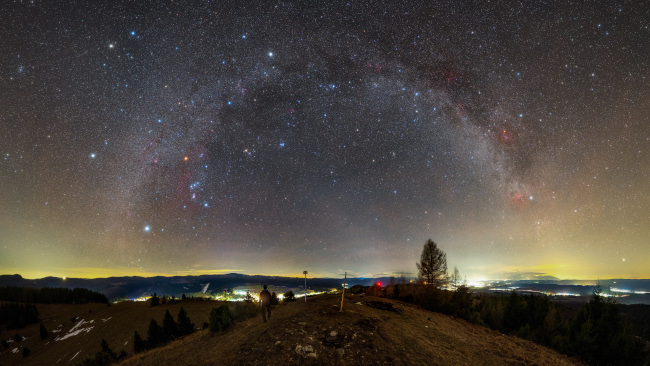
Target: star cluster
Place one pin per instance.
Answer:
(165, 138)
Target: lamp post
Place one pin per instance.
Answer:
(305, 273)
(345, 281)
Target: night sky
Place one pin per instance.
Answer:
(200, 137)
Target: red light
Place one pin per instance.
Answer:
(379, 284)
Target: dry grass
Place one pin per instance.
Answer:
(364, 336)
(114, 323)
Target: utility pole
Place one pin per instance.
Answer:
(345, 281)
(305, 273)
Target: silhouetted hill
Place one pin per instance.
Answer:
(135, 287)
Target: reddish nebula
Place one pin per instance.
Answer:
(519, 200)
(451, 76)
(505, 136)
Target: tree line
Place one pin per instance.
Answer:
(158, 335)
(51, 295)
(595, 332)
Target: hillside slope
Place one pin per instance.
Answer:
(76, 331)
(316, 333)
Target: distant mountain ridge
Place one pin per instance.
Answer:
(135, 287)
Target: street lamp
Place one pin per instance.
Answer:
(305, 273)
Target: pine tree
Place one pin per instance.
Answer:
(185, 326)
(155, 334)
(43, 331)
(169, 326)
(155, 300)
(107, 349)
(138, 343)
(220, 318)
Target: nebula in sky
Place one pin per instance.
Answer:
(144, 138)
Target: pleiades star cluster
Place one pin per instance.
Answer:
(190, 137)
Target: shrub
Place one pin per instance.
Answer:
(220, 318)
(289, 296)
(26, 352)
(245, 310)
(357, 289)
(104, 357)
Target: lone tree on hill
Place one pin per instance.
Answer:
(433, 264)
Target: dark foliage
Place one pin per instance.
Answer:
(357, 289)
(289, 296)
(159, 335)
(16, 316)
(595, 332)
(44, 333)
(185, 326)
(220, 318)
(26, 352)
(155, 300)
(138, 344)
(432, 268)
(106, 349)
(51, 295)
(245, 310)
(155, 335)
(170, 327)
(274, 299)
(18, 338)
(104, 357)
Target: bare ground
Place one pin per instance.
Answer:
(317, 333)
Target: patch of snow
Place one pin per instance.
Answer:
(10, 341)
(205, 288)
(15, 350)
(126, 342)
(72, 334)
(105, 320)
(75, 355)
(81, 322)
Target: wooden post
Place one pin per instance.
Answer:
(305, 273)
(344, 283)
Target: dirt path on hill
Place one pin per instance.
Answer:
(316, 333)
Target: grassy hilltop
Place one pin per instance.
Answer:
(299, 333)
